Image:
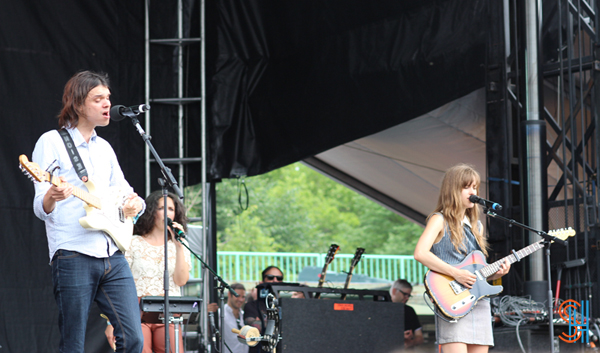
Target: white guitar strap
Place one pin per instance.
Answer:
(74, 155)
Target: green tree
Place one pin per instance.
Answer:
(296, 209)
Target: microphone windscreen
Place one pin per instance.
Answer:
(115, 113)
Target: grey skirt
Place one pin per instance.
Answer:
(473, 328)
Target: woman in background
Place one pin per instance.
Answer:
(146, 259)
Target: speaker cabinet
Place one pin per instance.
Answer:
(324, 325)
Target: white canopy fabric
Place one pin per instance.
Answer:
(402, 167)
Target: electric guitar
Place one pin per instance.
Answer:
(355, 260)
(104, 212)
(454, 300)
(333, 249)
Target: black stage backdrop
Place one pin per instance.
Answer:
(296, 78)
(286, 80)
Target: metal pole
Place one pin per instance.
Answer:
(534, 170)
(180, 124)
(205, 218)
(147, 93)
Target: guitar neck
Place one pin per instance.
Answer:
(349, 278)
(355, 260)
(492, 268)
(322, 277)
(84, 196)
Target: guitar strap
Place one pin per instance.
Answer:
(74, 155)
(435, 309)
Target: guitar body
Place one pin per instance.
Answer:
(104, 209)
(453, 299)
(109, 218)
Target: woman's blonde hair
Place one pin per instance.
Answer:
(451, 205)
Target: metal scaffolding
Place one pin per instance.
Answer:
(168, 49)
(562, 36)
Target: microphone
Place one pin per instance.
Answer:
(179, 233)
(486, 203)
(119, 112)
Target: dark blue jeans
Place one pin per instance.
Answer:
(80, 279)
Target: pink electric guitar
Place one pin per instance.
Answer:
(454, 300)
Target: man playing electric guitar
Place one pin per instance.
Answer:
(86, 263)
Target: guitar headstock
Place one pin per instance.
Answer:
(33, 170)
(357, 256)
(333, 250)
(562, 233)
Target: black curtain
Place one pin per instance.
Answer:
(295, 78)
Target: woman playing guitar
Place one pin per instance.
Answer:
(453, 231)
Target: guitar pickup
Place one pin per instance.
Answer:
(463, 302)
(457, 287)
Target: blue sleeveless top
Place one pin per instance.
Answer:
(445, 250)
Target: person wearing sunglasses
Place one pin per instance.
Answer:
(255, 311)
(401, 292)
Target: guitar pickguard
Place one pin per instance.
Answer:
(110, 218)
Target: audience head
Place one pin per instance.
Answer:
(237, 302)
(272, 274)
(300, 294)
(401, 291)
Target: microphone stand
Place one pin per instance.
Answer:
(548, 239)
(221, 286)
(169, 180)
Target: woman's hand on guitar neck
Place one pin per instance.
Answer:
(465, 278)
(504, 268)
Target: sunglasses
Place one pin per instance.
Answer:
(272, 277)
(405, 294)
